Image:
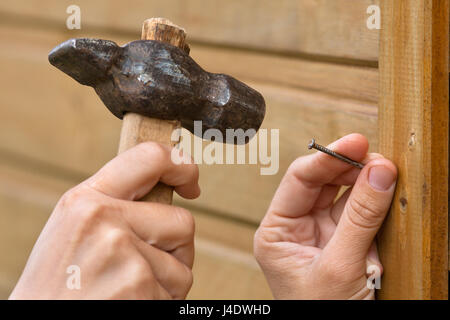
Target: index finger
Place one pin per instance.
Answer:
(133, 173)
(303, 181)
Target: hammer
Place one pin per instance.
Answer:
(155, 87)
(137, 128)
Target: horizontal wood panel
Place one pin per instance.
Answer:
(26, 201)
(36, 122)
(321, 27)
(63, 124)
(224, 267)
(221, 273)
(353, 82)
(360, 83)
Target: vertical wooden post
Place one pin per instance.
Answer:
(413, 132)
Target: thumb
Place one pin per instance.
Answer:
(363, 213)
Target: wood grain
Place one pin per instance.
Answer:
(322, 28)
(413, 132)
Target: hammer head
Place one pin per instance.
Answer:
(159, 80)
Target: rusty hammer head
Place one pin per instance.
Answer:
(158, 80)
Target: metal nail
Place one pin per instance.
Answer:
(314, 145)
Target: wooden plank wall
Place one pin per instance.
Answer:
(315, 62)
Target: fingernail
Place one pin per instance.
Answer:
(381, 178)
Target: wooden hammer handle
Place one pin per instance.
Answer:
(137, 128)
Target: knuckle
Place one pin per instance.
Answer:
(143, 272)
(94, 210)
(137, 280)
(189, 158)
(184, 156)
(72, 197)
(83, 205)
(186, 220)
(115, 243)
(364, 214)
(189, 280)
(293, 168)
(154, 150)
(195, 172)
(117, 238)
(296, 169)
(187, 283)
(184, 284)
(297, 163)
(261, 244)
(140, 275)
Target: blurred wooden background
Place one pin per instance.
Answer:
(315, 62)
